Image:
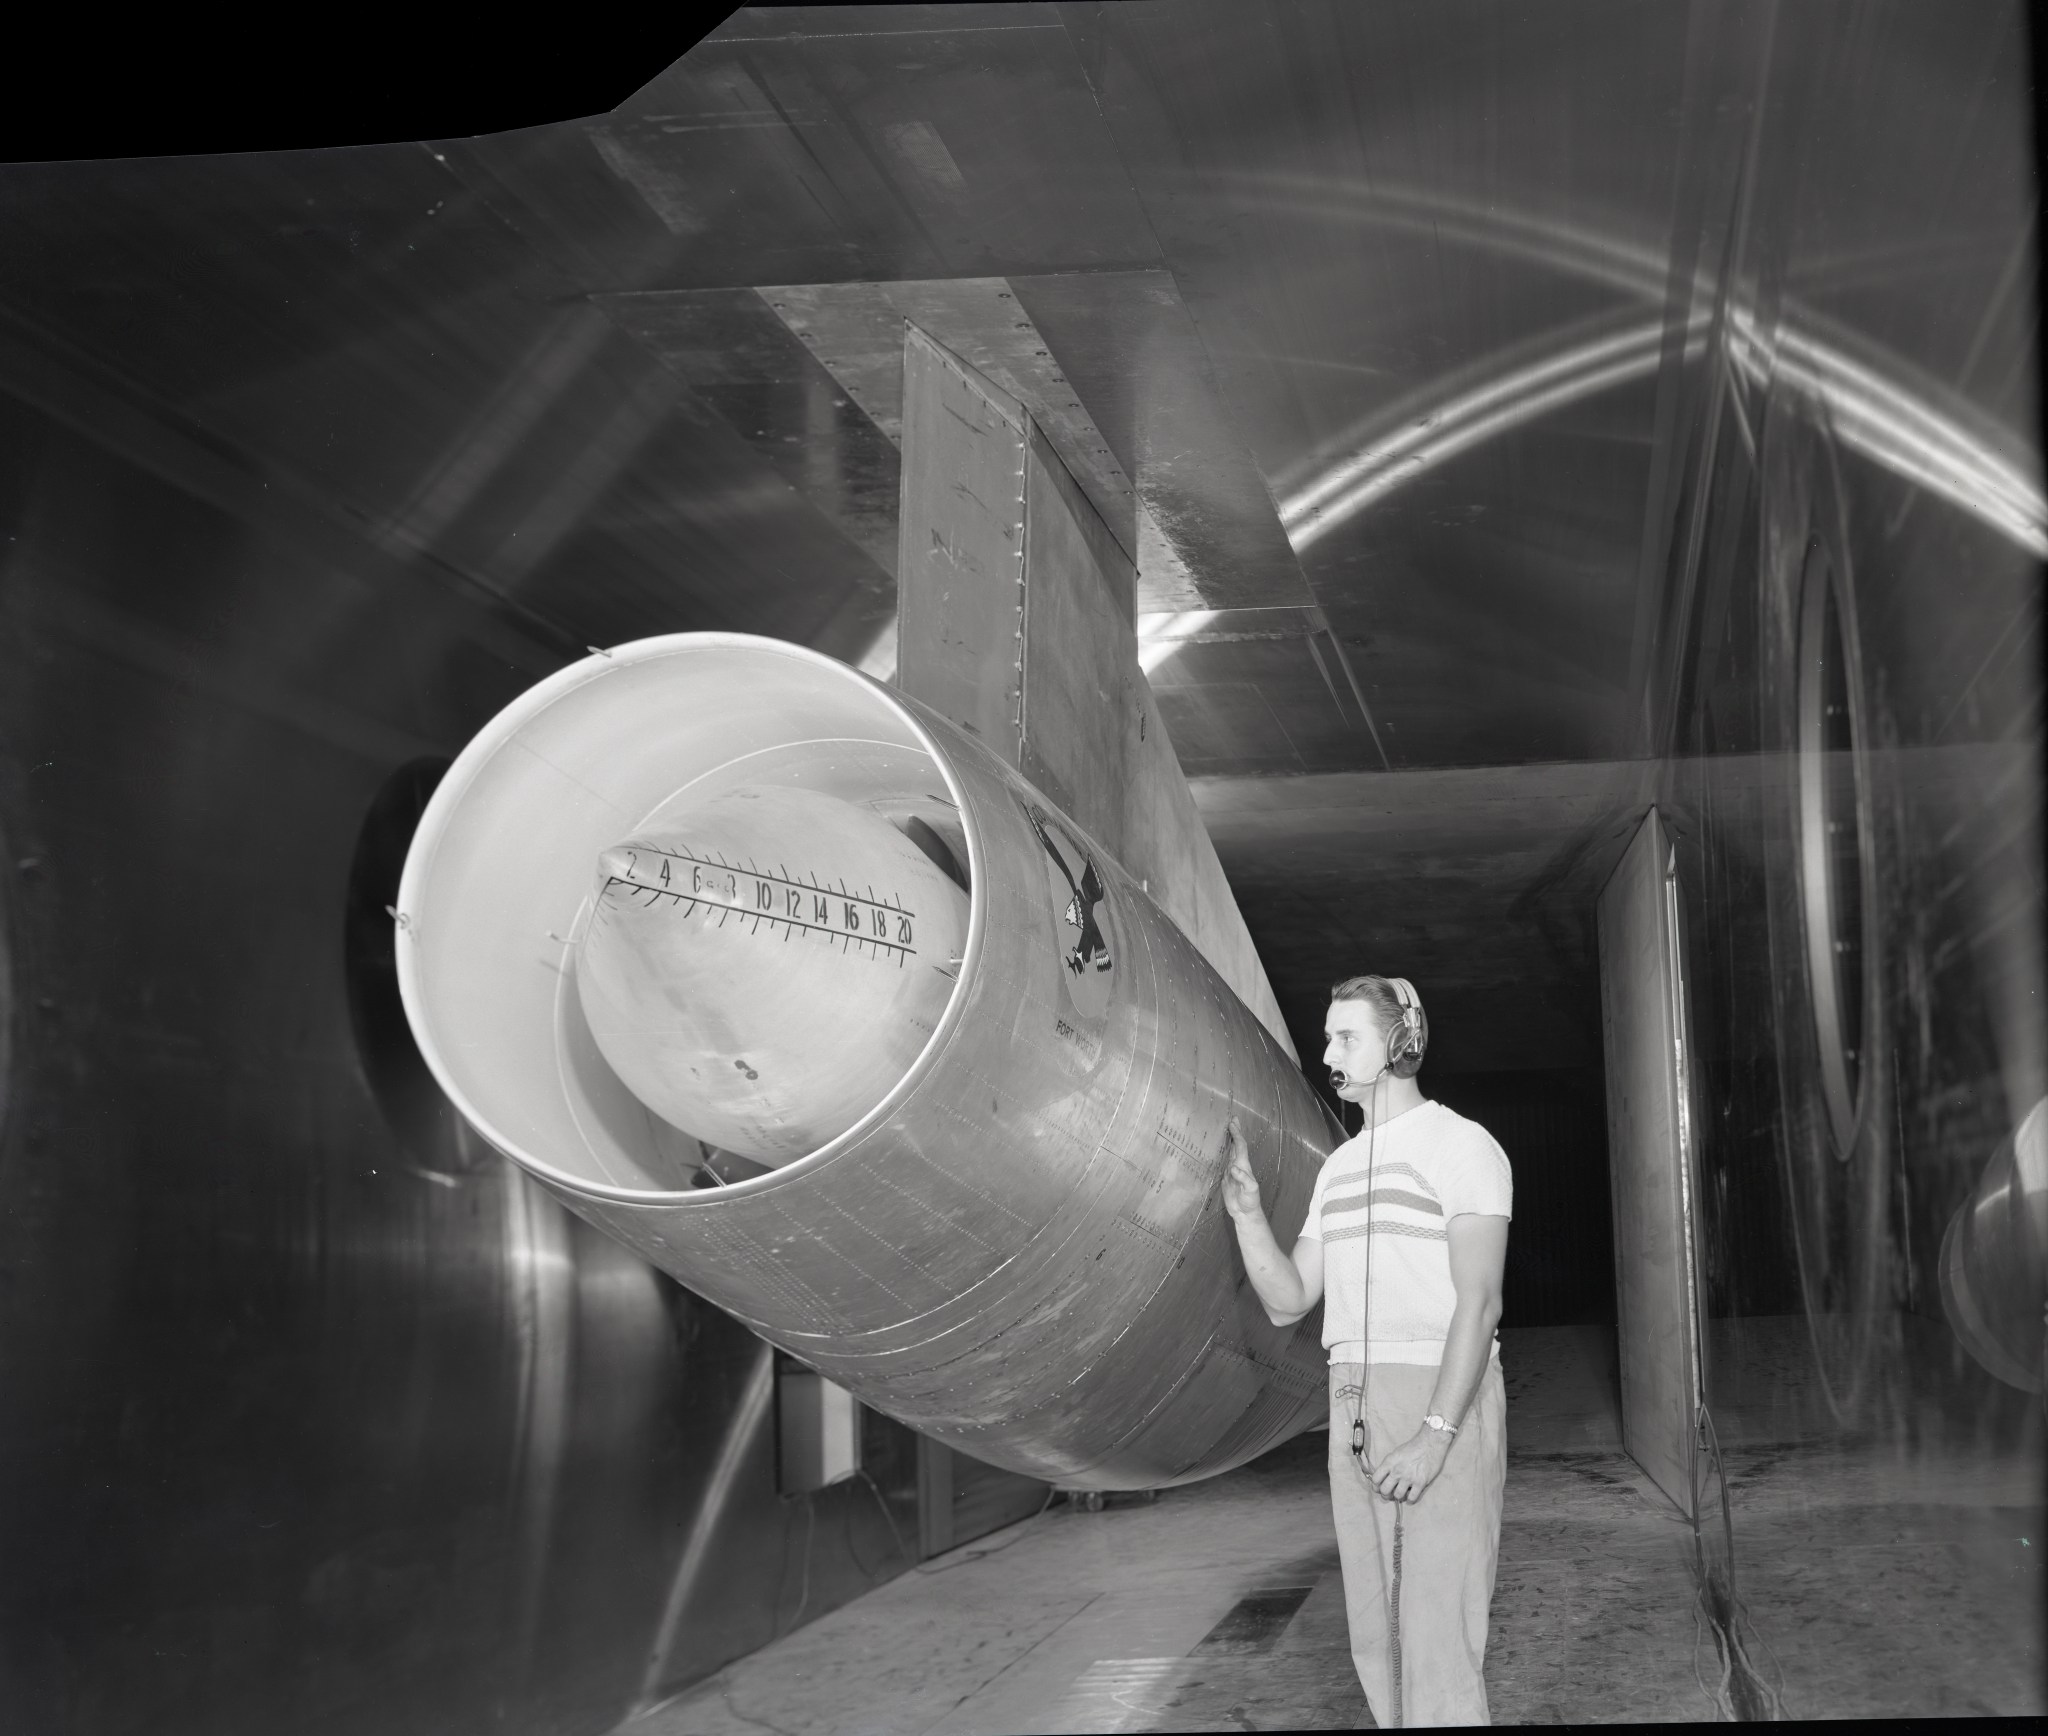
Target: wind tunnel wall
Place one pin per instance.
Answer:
(320, 1416)
(1844, 693)
(1020, 1250)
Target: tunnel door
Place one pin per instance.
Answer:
(1643, 1019)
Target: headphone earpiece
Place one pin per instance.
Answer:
(1409, 1036)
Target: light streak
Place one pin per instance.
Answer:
(1470, 419)
(1895, 428)
(879, 660)
(1160, 636)
(1870, 413)
(748, 1416)
(1867, 406)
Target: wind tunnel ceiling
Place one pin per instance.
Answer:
(1347, 317)
(1213, 242)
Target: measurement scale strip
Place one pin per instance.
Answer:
(810, 886)
(757, 917)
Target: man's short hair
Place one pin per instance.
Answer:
(1377, 992)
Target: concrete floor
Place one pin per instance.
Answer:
(1873, 1580)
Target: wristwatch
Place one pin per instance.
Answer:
(1438, 1423)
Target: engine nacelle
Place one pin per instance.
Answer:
(1016, 1244)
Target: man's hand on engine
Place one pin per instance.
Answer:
(1240, 1186)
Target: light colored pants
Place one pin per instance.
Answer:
(1418, 1575)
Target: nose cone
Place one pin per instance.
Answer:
(762, 970)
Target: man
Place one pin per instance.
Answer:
(1406, 1236)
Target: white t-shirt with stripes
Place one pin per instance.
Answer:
(1425, 1166)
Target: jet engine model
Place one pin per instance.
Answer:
(903, 1025)
(706, 890)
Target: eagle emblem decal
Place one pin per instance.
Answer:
(1090, 950)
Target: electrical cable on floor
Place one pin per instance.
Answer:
(1721, 1694)
(882, 1501)
(1730, 1643)
(810, 1536)
(1773, 1693)
(1718, 1695)
(781, 1583)
(873, 1575)
(904, 1549)
(1699, 1598)
(1016, 1532)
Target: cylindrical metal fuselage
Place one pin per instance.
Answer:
(1019, 1247)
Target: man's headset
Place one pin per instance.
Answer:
(1407, 1037)
(1410, 1033)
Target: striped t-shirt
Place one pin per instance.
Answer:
(1427, 1166)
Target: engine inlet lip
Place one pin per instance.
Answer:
(500, 733)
